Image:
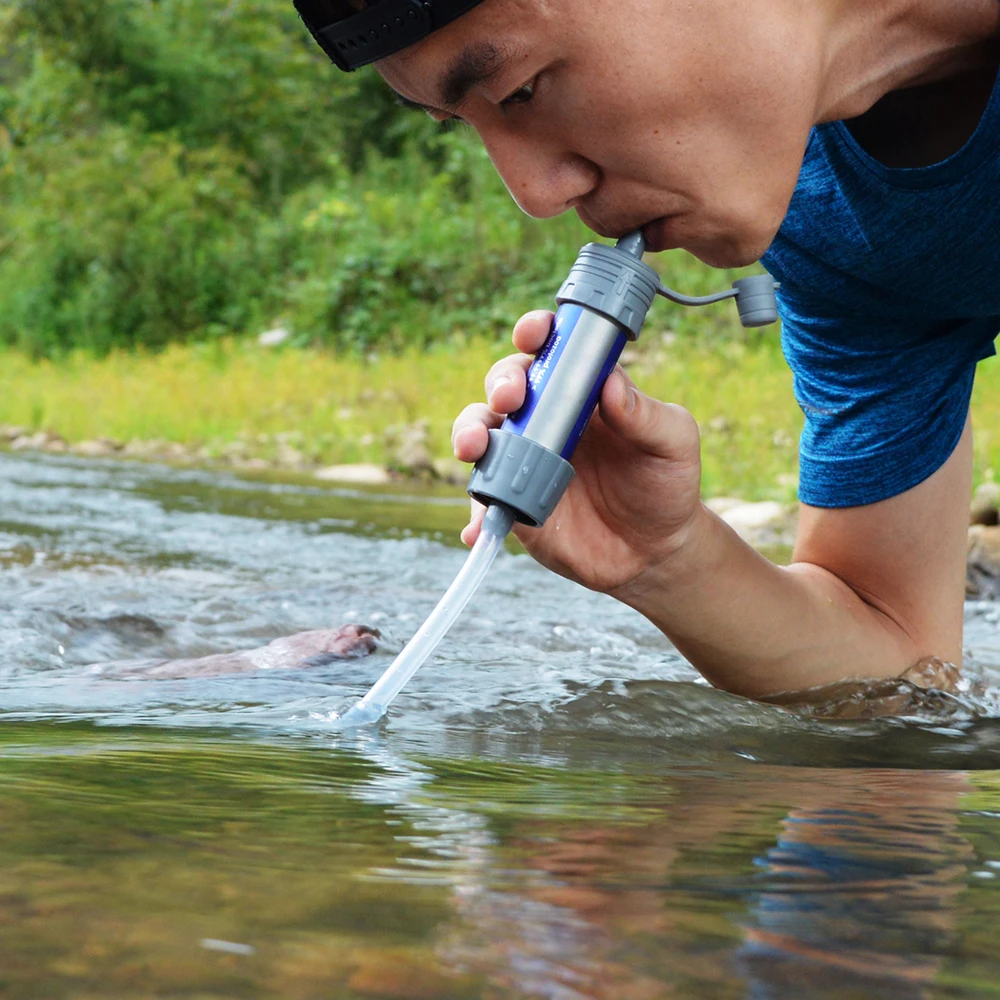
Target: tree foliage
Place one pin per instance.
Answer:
(188, 168)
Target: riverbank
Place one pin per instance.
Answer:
(247, 406)
(239, 404)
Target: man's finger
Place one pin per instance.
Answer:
(471, 531)
(470, 432)
(505, 383)
(532, 330)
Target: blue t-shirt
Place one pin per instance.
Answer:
(890, 295)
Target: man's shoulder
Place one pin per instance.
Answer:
(862, 236)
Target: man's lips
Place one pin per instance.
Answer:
(658, 234)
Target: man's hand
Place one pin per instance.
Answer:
(635, 494)
(872, 590)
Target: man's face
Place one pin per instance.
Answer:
(688, 118)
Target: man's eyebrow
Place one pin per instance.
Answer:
(476, 64)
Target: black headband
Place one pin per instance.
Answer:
(379, 30)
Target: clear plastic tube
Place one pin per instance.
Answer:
(497, 523)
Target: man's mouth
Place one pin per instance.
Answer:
(660, 233)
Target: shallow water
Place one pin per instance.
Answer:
(555, 807)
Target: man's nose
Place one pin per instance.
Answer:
(543, 179)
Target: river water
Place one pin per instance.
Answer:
(556, 806)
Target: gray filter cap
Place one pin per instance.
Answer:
(614, 282)
(527, 477)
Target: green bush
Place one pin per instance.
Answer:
(124, 239)
(410, 253)
(173, 169)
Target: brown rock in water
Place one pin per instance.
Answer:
(982, 563)
(303, 650)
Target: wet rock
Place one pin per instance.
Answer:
(451, 470)
(405, 977)
(372, 475)
(10, 432)
(39, 441)
(97, 448)
(982, 563)
(766, 523)
(408, 447)
(985, 507)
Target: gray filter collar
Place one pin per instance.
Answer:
(381, 29)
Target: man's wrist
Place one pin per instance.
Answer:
(687, 560)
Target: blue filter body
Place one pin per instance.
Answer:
(579, 355)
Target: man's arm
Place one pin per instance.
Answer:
(871, 591)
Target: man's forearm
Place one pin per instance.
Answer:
(757, 629)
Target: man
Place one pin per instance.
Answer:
(855, 145)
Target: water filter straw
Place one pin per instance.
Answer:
(526, 469)
(602, 305)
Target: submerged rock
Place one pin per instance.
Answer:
(301, 651)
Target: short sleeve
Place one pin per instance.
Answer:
(885, 401)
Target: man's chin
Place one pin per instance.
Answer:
(726, 249)
(730, 255)
(730, 250)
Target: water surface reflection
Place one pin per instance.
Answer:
(556, 807)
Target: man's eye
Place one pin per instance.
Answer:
(520, 96)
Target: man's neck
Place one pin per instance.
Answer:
(875, 47)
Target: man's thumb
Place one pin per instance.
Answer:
(655, 427)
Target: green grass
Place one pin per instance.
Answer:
(339, 409)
